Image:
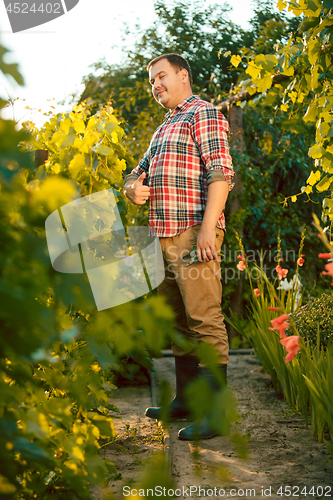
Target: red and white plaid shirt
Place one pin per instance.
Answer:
(188, 151)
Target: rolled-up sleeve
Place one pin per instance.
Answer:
(210, 131)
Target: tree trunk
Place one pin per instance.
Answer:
(41, 156)
(237, 143)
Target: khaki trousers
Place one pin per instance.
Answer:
(195, 293)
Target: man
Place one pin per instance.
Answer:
(187, 174)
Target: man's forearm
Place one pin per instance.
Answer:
(216, 199)
(206, 239)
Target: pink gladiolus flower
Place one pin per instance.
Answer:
(241, 266)
(256, 292)
(325, 256)
(329, 270)
(280, 324)
(240, 257)
(282, 273)
(292, 346)
(300, 260)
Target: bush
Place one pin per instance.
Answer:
(316, 315)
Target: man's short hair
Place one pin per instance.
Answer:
(176, 61)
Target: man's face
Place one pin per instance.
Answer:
(169, 86)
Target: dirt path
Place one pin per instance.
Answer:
(281, 451)
(137, 439)
(283, 458)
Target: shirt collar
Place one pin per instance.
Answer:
(182, 105)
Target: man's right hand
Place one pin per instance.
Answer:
(137, 192)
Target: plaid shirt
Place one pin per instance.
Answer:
(187, 152)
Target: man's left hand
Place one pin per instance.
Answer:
(206, 244)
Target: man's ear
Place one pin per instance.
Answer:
(184, 74)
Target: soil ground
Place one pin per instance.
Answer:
(137, 439)
(283, 459)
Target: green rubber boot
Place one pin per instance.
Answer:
(187, 369)
(201, 429)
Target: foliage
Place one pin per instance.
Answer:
(266, 345)
(55, 348)
(305, 380)
(314, 318)
(307, 93)
(272, 166)
(197, 32)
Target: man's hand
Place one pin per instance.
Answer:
(137, 193)
(206, 244)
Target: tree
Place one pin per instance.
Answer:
(307, 97)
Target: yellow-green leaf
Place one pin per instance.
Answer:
(267, 62)
(253, 70)
(264, 83)
(54, 192)
(314, 51)
(78, 453)
(65, 125)
(79, 126)
(69, 139)
(103, 150)
(325, 183)
(327, 165)
(313, 178)
(91, 123)
(76, 165)
(316, 151)
(235, 60)
(110, 127)
(10, 69)
(306, 189)
(311, 113)
(315, 73)
(281, 5)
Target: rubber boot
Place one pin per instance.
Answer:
(187, 369)
(200, 429)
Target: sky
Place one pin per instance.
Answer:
(54, 57)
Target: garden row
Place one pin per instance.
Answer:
(305, 374)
